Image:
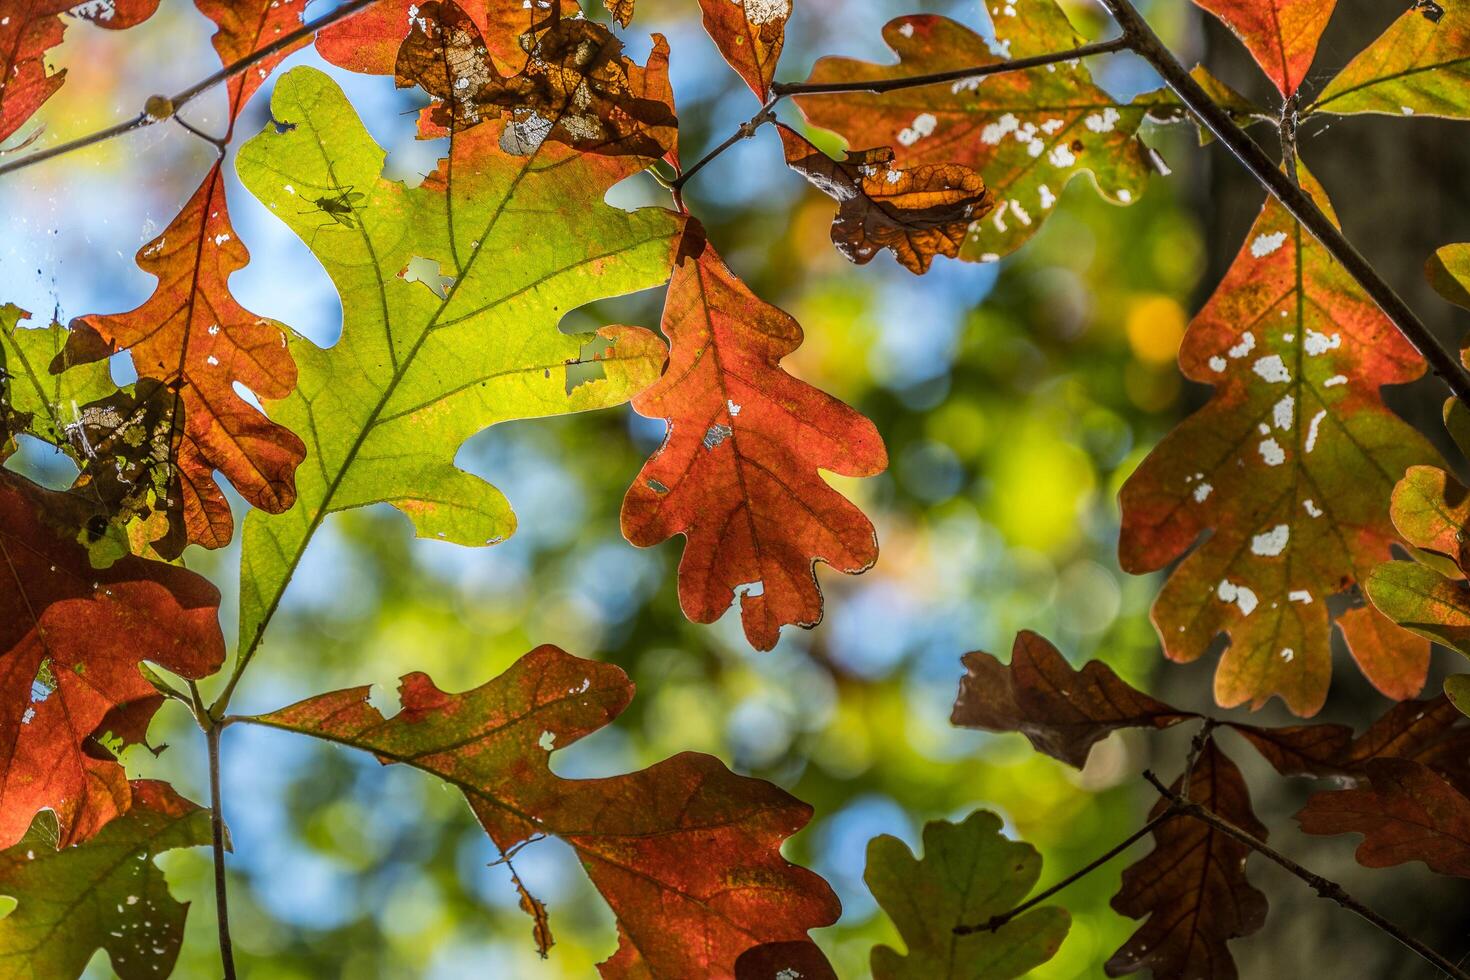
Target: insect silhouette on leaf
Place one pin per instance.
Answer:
(340, 207)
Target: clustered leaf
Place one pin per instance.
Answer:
(1295, 447)
(107, 895)
(737, 474)
(1027, 133)
(686, 853)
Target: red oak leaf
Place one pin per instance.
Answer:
(750, 34)
(686, 853)
(1062, 711)
(1192, 885)
(28, 30)
(737, 474)
(71, 639)
(1281, 35)
(1291, 465)
(193, 336)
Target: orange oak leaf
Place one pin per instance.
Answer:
(31, 28)
(917, 212)
(686, 853)
(71, 641)
(1408, 812)
(737, 474)
(1028, 133)
(750, 34)
(621, 11)
(193, 336)
(1192, 885)
(1063, 711)
(1281, 35)
(1291, 465)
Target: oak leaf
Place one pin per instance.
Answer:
(1291, 465)
(917, 213)
(750, 35)
(784, 961)
(1192, 885)
(737, 474)
(1281, 35)
(107, 893)
(1063, 711)
(970, 873)
(1419, 66)
(422, 366)
(621, 11)
(29, 30)
(51, 403)
(1027, 133)
(71, 641)
(1408, 812)
(685, 852)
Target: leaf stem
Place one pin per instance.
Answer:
(1142, 40)
(745, 131)
(217, 841)
(1324, 887)
(996, 921)
(160, 108)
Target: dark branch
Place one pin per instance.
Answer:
(160, 108)
(996, 921)
(1144, 42)
(1324, 887)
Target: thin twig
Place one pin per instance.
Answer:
(996, 921)
(165, 107)
(1144, 42)
(781, 90)
(745, 131)
(1324, 887)
(217, 840)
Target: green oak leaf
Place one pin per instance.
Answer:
(51, 400)
(1420, 66)
(969, 873)
(106, 893)
(452, 292)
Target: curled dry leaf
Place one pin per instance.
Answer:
(1295, 445)
(426, 362)
(1281, 35)
(1407, 812)
(1192, 885)
(1064, 712)
(738, 473)
(196, 343)
(1027, 133)
(970, 873)
(662, 845)
(917, 213)
(750, 34)
(107, 893)
(29, 30)
(72, 638)
(621, 11)
(1419, 66)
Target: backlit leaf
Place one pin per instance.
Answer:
(71, 641)
(52, 401)
(1281, 35)
(416, 373)
(970, 873)
(29, 29)
(1192, 885)
(1291, 465)
(1406, 813)
(737, 474)
(750, 34)
(1028, 133)
(621, 11)
(106, 894)
(685, 852)
(917, 213)
(1064, 712)
(1419, 66)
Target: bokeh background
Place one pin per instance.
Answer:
(1014, 398)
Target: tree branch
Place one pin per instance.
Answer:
(1324, 887)
(1144, 42)
(160, 108)
(217, 841)
(996, 921)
